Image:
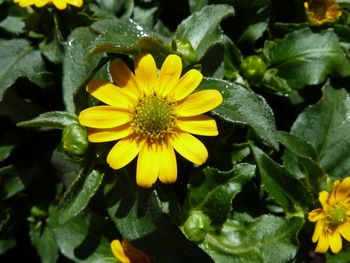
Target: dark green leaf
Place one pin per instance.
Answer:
(52, 49)
(52, 119)
(326, 126)
(19, 59)
(307, 58)
(341, 257)
(6, 244)
(202, 28)
(265, 239)
(211, 191)
(140, 218)
(44, 242)
(78, 195)
(10, 182)
(242, 106)
(285, 190)
(85, 239)
(13, 24)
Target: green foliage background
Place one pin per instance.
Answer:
(284, 131)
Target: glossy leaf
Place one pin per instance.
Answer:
(52, 119)
(140, 218)
(78, 195)
(246, 240)
(307, 58)
(325, 125)
(211, 191)
(242, 106)
(19, 59)
(285, 190)
(202, 28)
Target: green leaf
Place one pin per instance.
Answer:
(76, 70)
(86, 238)
(212, 191)
(13, 24)
(78, 195)
(43, 240)
(242, 106)
(19, 59)
(325, 125)
(125, 37)
(285, 190)
(202, 28)
(341, 257)
(307, 58)
(52, 119)
(52, 49)
(6, 244)
(140, 218)
(265, 239)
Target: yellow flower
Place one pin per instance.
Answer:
(321, 11)
(60, 4)
(152, 114)
(126, 253)
(333, 219)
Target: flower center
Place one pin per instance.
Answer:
(153, 117)
(319, 10)
(337, 215)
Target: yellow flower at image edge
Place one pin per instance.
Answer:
(60, 4)
(333, 219)
(321, 11)
(151, 114)
(127, 253)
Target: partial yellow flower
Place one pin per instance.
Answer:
(321, 11)
(333, 219)
(60, 4)
(127, 253)
(151, 113)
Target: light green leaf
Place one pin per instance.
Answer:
(285, 190)
(43, 240)
(202, 28)
(212, 191)
(52, 119)
(242, 106)
(265, 239)
(139, 216)
(325, 125)
(307, 58)
(19, 59)
(78, 195)
(13, 24)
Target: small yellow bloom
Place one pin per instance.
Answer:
(60, 4)
(151, 113)
(333, 219)
(127, 253)
(321, 11)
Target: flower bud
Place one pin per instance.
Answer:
(185, 49)
(253, 68)
(74, 140)
(196, 226)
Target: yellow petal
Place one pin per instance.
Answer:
(168, 167)
(108, 135)
(124, 78)
(104, 117)
(187, 84)
(315, 215)
(108, 93)
(77, 3)
(118, 252)
(198, 103)
(318, 231)
(123, 152)
(322, 244)
(169, 74)
(148, 164)
(345, 231)
(335, 242)
(200, 125)
(60, 4)
(25, 3)
(342, 192)
(146, 72)
(190, 147)
(323, 197)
